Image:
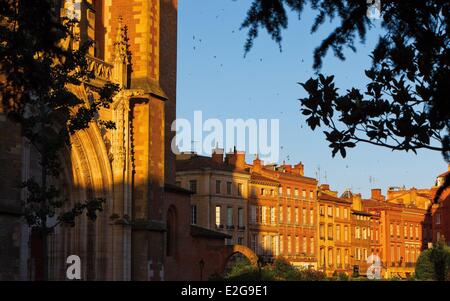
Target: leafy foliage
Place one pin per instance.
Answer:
(434, 263)
(279, 270)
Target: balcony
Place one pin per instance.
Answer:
(101, 70)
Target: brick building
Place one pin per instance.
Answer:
(270, 209)
(335, 232)
(403, 227)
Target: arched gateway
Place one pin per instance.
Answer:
(230, 251)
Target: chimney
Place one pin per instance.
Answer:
(325, 187)
(240, 160)
(287, 167)
(257, 167)
(236, 159)
(217, 155)
(376, 194)
(299, 169)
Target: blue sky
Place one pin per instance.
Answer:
(214, 77)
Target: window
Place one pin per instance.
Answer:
(398, 230)
(304, 216)
(259, 214)
(311, 195)
(217, 186)
(322, 210)
(240, 189)
(364, 254)
(275, 245)
(272, 192)
(288, 192)
(254, 242)
(228, 188)
(405, 230)
(262, 191)
(280, 213)
(311, 217)
(376, 235)
(296, 194)
(357, 233)
(193, 214)
(193, 186)
(288, 215)
(280, 191)
(322, 231)
(269, 245)
(391, 230)
(289, 245)
(218, 209)
(338, 212)
(338, 257)
(311, 246)
(438, 218)
(272, 215)
(330, 211)
(240, 241)
(346, 257)
(346, 233)
(296, 215)
(417, 232)
(330, 257)
(345, 213)
(338, 232)
(304, 246)
(364, 233)
(330, 231)
(253, 214)
(229, 216)
(241, 217)
(264, 213)
(304, 194)
(411, 231)
(297, 245)
(281, 245)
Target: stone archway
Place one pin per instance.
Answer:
(230, 251)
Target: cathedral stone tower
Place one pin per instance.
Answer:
(152, 34)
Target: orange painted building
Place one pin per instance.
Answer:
(335, 232)
(402, 226)
(289, 210)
